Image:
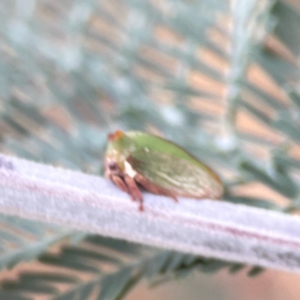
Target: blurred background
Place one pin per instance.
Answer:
(220, 78)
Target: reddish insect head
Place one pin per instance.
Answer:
(115, 136)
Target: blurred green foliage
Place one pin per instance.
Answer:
(72, 71)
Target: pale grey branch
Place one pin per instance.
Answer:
(90, 203)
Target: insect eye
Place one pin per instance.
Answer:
(113, 166)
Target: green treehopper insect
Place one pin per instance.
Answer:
(161, 167)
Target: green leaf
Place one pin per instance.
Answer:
(290, 130)
(265, 97)
(68, 262)
(40, 277)
(213, 265)
(159, 264)
(295, 97)
(255, 271)
(282, 184)
(257, 202)
(81, 291)
(12, 295)
(287, 162)
(279, 69)
(115, 285)
(288, 23)
(236, 268)
(175, 262)
(258, 114)
(114, 244)
(17, 246)
(28, 286)
(77, 253)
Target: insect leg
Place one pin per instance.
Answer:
(149, 186)
(118, 181)
(134, 190)
(123, 185)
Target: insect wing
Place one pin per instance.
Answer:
(177, 175)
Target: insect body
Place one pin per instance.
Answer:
(136, 159)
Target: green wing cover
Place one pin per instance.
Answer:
(169, 166)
